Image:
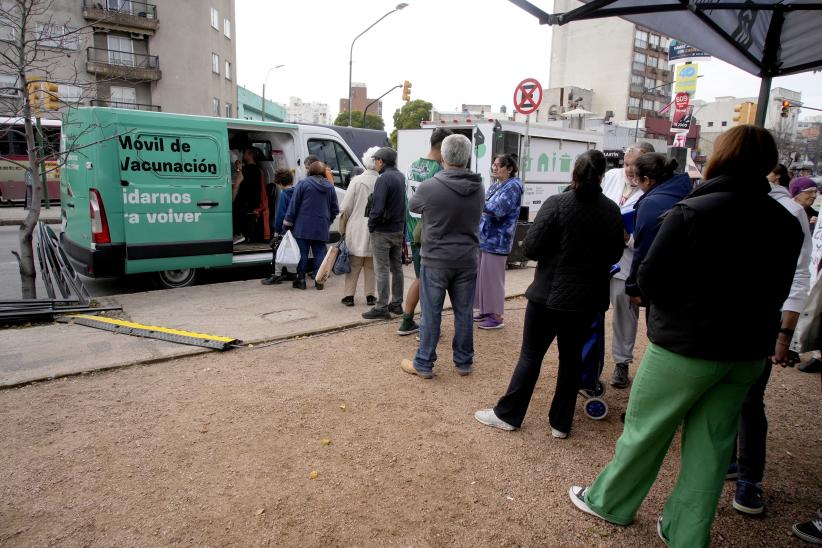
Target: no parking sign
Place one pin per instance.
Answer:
(527, 96)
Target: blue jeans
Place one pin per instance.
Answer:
(317, 247)
(460, 284)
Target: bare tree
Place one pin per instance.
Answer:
(34, 46)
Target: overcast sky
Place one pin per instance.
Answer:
(452, 51)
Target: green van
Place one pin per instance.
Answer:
(151, 192)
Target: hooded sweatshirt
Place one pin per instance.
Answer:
(451, 204)
(312, 209)
(650, 212)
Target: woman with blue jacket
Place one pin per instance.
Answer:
(497, 226)
(311, 211)
(662, 188)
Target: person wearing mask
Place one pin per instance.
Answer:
(708, 338)
(804, 191)
(386, 224)
(620, 187)
(576, 238)
(662, 188)
(748, 461)
(284, 179)
(497, 226)
(354, 227)
(311, 211)
(450, 204)
(421, 169)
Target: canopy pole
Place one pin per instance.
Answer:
(762, 102)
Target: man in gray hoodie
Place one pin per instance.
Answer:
(451, 204)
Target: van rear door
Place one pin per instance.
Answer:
(176, 195)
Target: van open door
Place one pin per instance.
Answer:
(176, 197)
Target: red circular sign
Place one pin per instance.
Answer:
(527, 96)
(681, 100)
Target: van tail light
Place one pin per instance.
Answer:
(99, 223)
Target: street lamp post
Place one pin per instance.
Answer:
(376, 101)
(351, 52)
(272, 69)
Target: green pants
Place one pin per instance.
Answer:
(703, 396)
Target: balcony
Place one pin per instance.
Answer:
(123, 64)
(120, 104)
(125, 15)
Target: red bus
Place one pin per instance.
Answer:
(14, 155)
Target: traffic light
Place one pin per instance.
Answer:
(786, 107)
(49, 93)
(745, 113)
(406, 91)
(33, 90)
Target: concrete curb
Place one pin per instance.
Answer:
(249, 345)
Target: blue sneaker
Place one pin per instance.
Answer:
(748, 499)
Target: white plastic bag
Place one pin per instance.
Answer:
(288, 254)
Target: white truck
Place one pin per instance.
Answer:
(546, 170)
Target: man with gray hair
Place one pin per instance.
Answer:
(451, 204)
(620, 186)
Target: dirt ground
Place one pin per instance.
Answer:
(325, 441)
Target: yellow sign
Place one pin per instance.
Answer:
(685, 80)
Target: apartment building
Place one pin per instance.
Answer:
(312, 113)
(624, 65)
(360, 100)
(171, 55)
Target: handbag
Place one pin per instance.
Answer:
(342, 265)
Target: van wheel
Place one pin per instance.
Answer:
(177, 278)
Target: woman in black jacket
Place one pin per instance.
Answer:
(576, 237)
(715, 282)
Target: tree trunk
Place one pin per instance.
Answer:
(28, 273)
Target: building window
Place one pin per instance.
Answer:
(637, 80)
(639, 62)
(215, 63)
(653, 41)
(633, 101)
(8, 85)
(647, 104)
(227, 28)
(120, 50)
(641, 39)
(215, 106)
(710, 124)
(122, 97)
(650, 83)
(662, 63)
(724, 123)
(228, 70)
(69, 94)
(228, 112)
(57, 36)
(215, 18)
(7, 33)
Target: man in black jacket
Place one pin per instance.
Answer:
(385, 223)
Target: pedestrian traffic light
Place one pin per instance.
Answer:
(50, 95)
(786, 107)
(406, 91)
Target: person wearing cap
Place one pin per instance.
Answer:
(803, 191)
(386, 222)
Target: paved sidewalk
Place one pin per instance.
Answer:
(245, 310)
(14, 215)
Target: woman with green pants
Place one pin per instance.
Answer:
(715, 276)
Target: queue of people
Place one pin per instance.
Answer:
(711, 347)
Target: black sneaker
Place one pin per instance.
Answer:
(298, 283)
(748, 499)
(272, 280)
(408, 327)
(377, 314)
(396, 309)
(370, 300)
(810, 531)
(620, 376)
(811, 366)
(348, 301)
